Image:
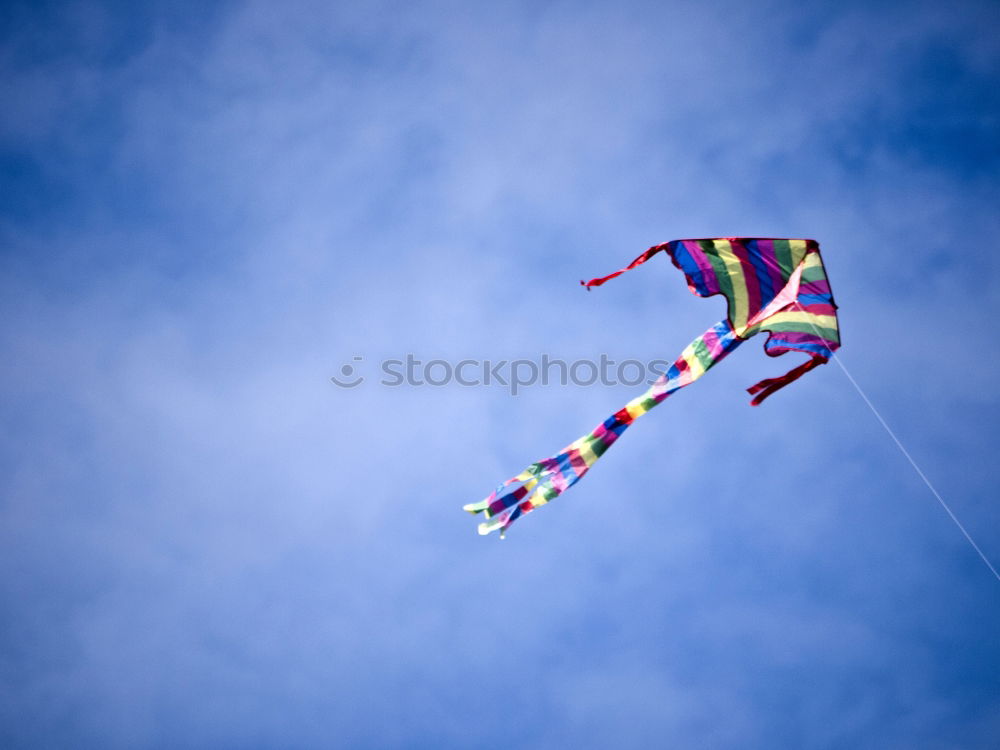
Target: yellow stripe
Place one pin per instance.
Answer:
(798, 250)
(634, 407)
(587, 453)
(820, 321)
(695, 368)
(738, 280)
(538, 498)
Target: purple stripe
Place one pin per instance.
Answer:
(714, 344)
(549, 464)
(710, 282)
(558, 479)
(815, 287)
(765, 248)
(498, 506)
(558, 482)
(600, 432)
(578, 463)
(796, 337)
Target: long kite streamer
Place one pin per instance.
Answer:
(773, 285)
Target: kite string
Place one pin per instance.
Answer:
(909, 458)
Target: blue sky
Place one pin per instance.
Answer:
(206, 211)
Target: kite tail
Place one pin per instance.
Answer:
(765, 388)
(549, 478)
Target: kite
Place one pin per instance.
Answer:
(773, 285)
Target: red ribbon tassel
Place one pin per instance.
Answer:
(765, 388)
(637, 262)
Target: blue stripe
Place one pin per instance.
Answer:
(567, 469)
(815, 299)
(728, 339)
(763, 276)
(690, 267)
(820, 349)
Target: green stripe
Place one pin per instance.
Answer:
(721, 272)
(783, 252)
(813, 274)
(702, 353)
(597, 445)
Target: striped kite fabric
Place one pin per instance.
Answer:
(773, 285)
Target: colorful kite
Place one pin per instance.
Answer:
(772, 285)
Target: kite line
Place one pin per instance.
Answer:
(913, 463)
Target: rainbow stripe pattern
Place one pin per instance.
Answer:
(774, 285)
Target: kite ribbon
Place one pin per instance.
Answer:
(637, 262)
(549, 478)
(769, 386)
